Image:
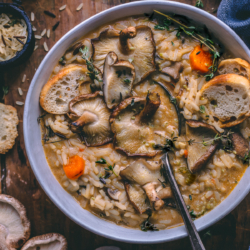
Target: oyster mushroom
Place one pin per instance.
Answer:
(14, 225)
(135, 44)
(138, 176)
(202, 145)
(46, 242)
(129, 123)
(137, 196)
(118, 78)
(173, 70)
(165, 193)
(90, 118)
(240, 144)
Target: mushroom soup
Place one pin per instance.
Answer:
(127, 92)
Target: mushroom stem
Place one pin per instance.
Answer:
(125, 34)
(153, 102)
(149, 188)
(86, 118)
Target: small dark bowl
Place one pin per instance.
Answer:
(28, 48)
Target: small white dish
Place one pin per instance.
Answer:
(32, 134)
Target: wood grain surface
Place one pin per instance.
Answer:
(18, 180)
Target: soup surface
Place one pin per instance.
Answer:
(121, 180)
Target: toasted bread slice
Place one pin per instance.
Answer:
(228, 99)
(62, 88)
(8, 127)
(235, 66)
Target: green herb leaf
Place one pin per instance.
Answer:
(202, 109)
(172, 43)
(5, 91)
(132, 102)
(111, 168)
(127, 81)
(173, 100)
(191, 141)
(199, 4)
(190, 197)
(102, 161)
(148, 226)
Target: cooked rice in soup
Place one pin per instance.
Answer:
(127, 92)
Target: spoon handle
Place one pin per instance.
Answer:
(192, 232)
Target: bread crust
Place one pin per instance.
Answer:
(12, 122)
(230, 79)
(52, 81)
(230, 62)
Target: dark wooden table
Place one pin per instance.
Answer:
(18, 180)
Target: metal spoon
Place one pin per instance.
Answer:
(192, 232)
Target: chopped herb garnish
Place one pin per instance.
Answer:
(119, 73)
(173, 100)
(198, 53)
(127, 81)
(111, 168)
(172, 43)
(246, 158)
(199, 4)
(190, 197)
(5, 91)
(193, 215)
(168, 146)
(132, 102)
(148, 226)
(202, 109)
(191, 141)
(113, 101)
(102, 161)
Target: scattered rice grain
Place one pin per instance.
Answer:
(43, 32)
(19, 103)
(34, 28)
(45, 46)
(79, 7)
(20, 91)
(38, 37)
(24, 78)
(32, 16)
(62, 7)
(48, 33)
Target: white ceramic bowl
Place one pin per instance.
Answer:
(32, 135)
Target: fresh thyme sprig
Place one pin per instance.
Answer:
(111, 168)
(93, 72)
(148, 226)
(246, 158)
(192, 31)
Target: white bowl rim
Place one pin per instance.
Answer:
(28, 137)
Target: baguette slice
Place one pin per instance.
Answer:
(235, 66)
(8, 127)
(228, 99)
(62, 88)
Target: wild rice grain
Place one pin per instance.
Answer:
(45, 46)
(48, 13)
(43, 33)
(24, 78)
(79, 7)
(20, 91)
(62, 7)
(55, 26)
(38, 37)
(32, 16)
(48, 33)
(19, 103)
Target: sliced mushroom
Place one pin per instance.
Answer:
(155, 200)
(139, 172)
(90, 118)
(46, 242)
(198, 153)
(14, 225)
(135, 44)
(165, 193)
(173, 70)
(136, 196)
(240, 144)
(129, 123)
(118, 78)
(113, 193)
